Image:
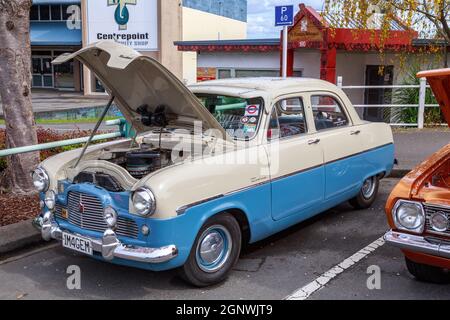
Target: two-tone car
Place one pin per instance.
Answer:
(210, 168)
(418, 208)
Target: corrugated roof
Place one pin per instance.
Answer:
(338, 20)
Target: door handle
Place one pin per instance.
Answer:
(315, 141)
(355, 133)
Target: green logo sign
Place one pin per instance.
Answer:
(121, 15)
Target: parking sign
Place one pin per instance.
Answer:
(284, 16)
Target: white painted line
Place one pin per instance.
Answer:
(305, 292)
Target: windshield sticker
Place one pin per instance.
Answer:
(245, 120)
(250, 128)
(253, 120)
(252, 110)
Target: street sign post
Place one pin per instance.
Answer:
(284, 16)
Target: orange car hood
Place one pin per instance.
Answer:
(439, 81)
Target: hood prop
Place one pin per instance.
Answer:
(99, 122)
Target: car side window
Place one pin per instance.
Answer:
(328, 112)
(287, 119)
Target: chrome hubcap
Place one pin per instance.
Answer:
(368, 188)
(213, 249)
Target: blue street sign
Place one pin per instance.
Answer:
(284, 16)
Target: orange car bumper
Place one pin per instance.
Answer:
(420, 249)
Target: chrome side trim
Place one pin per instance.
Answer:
(182, 210)
(419, 244)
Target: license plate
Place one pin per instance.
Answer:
(77, 243)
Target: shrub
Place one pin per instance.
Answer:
(411, 96)
(45, 136)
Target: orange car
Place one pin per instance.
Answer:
(418, 208)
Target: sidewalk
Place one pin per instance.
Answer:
(54, 101)
(412, 146)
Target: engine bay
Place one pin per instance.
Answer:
(441, 177)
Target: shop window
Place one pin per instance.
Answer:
(56, 12)
(34, 13)
(328, 113)
(257, 73)
(224, 74)
(65, 14)
(64, 75)
(41, 53)
(99, 86)
(44, 12)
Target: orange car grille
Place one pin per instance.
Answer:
(429, 211)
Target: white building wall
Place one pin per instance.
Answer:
(200, 25)
(239, 60)
(307, 61)
(352, 68)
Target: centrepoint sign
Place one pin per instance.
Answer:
(133, 23)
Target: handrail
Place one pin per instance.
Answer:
(57, 144)
(64, 143)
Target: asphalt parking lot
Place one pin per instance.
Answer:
(273, 269)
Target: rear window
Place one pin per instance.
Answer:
(239, 117)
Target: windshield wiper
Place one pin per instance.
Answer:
(102, 117)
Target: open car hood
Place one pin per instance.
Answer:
(439, 81)
(136, 80)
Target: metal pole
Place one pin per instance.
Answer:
(99, 122)
(57, 144)
(422, 96)
(285, 50)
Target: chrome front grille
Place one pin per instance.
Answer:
(91, 215)
(429, 211)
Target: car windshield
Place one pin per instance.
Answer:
(238, 116)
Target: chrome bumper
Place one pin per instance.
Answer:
(109, 245)
(418, 244)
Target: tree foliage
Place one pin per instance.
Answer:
(428, 17)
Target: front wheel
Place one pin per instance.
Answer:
(367, 195)
(427, 273)
(215, 251)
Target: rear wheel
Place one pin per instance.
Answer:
(367, 195)
(215, 251)
(426, 273)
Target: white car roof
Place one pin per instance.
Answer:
(273, 86)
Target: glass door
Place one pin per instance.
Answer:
(42, 72)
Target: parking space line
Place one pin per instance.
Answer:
(306, 291)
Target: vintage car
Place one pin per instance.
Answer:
(262, 155)
(418, 208)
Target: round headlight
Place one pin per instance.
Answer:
(110, 216)
(41, 180)
(409, 215)
(144, 202)
(50, 199)
(439, 222)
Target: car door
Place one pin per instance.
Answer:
(296, 160)
(342, 146)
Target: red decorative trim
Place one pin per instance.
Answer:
(236, 48)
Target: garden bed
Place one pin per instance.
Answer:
(15, 208)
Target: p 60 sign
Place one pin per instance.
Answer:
(284, 16)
